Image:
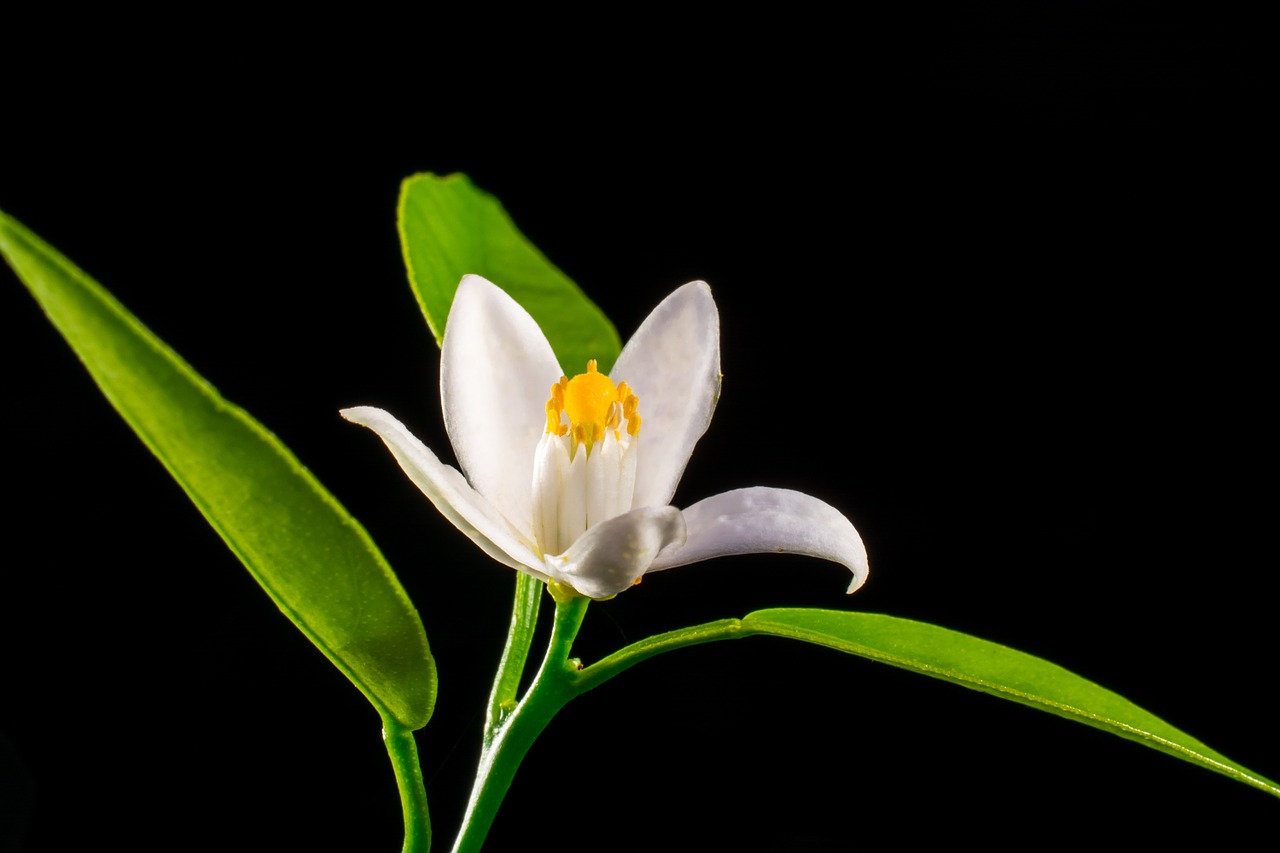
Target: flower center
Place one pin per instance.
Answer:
(592, 404)
(572, 491)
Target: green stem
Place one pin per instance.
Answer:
(625, 658)
(511, 727)
(507, 743)
(403, 751)
(506, 682)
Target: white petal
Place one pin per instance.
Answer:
(449, 491)
(613, 555)
(672, 363)
(496, 373)
(762, 520)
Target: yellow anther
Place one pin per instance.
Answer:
(630, 403)
(592, 404)
(555, 406)
(554, 426)
(582, 434)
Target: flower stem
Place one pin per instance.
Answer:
(403, 751)
(509, 735)
(506, 682)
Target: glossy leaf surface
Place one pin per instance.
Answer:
(995, 669)
(448, 228)
(315, 561)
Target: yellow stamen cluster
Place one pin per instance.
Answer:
(592, 404)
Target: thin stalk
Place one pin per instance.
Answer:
(625, 658)
(524, 619)
(506, 744)
(403, 751)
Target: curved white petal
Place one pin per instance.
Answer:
(496, 373)
(613, 555)
(466, 508)
(672, 363)
(763, 520)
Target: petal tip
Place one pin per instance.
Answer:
(859, 578)
(471, 279)
(358, 414)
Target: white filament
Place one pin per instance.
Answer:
(572, 495)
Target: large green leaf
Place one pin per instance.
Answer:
(448, 228)
(995, 669)
(314, 560)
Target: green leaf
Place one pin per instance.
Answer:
(448, 228)
(314, 560)
(995, 669)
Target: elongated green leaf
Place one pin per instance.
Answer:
(995, 669)
(314, 560)
(448, 228)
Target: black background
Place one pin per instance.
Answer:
(987, 284)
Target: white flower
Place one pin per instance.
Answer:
(572, 479)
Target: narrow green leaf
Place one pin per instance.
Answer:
(995, 669)
(448, 228)
(314, 560)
